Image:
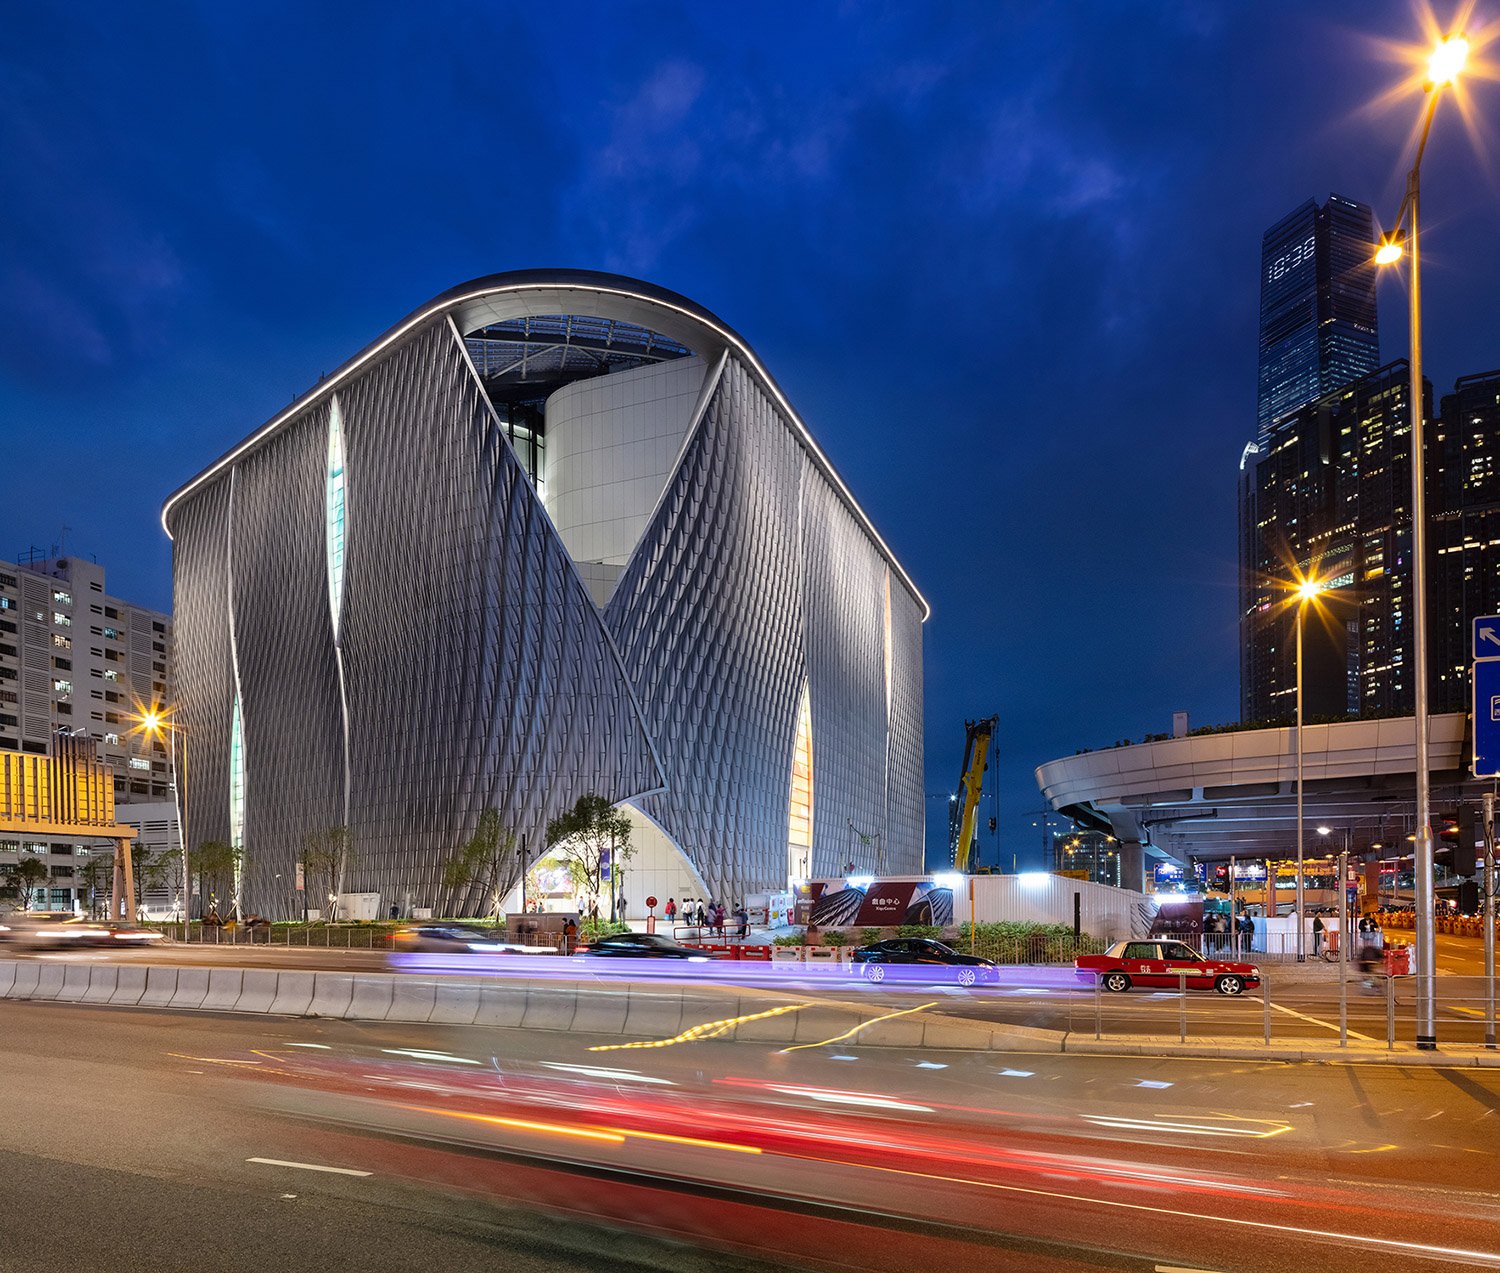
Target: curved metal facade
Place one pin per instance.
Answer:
(470, 668)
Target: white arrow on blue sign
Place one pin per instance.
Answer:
(1487, 637)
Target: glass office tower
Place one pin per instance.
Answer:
(1317, 306)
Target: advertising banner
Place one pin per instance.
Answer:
(876, 904)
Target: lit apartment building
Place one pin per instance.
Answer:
(74, 658)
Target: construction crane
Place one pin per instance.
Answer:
(971, 783)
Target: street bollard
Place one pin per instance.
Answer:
(1390, 1013)
(1181, 1007)
(1098, 1005)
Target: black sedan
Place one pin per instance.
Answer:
(922, 959)
(642, 946)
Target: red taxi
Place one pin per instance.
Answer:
(1161, 964)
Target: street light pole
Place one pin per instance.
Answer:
(1306, 591)
(1444, 67)
(178, 795)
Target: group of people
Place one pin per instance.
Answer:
(1218, 929)
(709, 915)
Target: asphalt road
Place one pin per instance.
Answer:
(1043, 998)
(141, 1140)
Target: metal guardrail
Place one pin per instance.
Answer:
(1463, 1001)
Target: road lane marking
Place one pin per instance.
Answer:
(309, 1166)
(1327, 1025)
(1180, 1268)
(839, 1038)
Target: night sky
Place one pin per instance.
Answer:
(1002, 257)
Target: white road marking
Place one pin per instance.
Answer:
(1327, 1025)
(1180, 1268)
(308, 1166)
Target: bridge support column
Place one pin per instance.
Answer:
(1132, 865)
(123, 890)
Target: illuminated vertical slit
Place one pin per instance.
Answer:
(335, 522)
(890, 697)
(800, 799)
(237, 776)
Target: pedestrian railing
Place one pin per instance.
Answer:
(1371, 1010)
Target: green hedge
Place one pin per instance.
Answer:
(1014, 942)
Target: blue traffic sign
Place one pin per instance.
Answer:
(1487, 637)
(1487, 718)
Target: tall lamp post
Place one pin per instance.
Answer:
(155, 723)
(1444, 65)
(1307, 591)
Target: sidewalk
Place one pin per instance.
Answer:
(1317, 1051)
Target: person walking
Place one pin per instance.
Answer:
(702, 916)
(570, 935)
(1317, 932)
(671, 911)
(742, 917)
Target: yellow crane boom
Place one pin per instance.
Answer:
(976, 757)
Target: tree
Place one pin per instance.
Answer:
(484, 861)
(98, 874)
(326, 856)
(213, 862)
(586, 837)
(23, 877)
(151, 869)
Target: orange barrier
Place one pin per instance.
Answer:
(725, 950)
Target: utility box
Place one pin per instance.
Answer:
(359, 906)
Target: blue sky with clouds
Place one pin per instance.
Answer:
(1003, 257)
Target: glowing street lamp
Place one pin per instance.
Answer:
(1307, 589)
(154, 722)
(1445, 63)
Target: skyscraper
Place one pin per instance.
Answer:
(1463, 494)
(1318, 329)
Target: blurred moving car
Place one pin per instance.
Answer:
(642, 946)
(451, 938)
(1161, 964)
(51, 930)
(127, 935)
(922, 959)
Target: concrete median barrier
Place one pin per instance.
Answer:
(502, 1006)
(294, 994)
(224, 988)
(653, 1011)
(104, 981)
(130, 985)
(333, 992)
(161, 985)
(456, 1003)
(192, 988)
(258, 991)
(412, 1000)
(644, 1012)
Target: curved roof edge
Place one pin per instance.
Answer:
(1160, 771)
(684, 317)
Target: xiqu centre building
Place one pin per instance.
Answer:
(555, 533)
